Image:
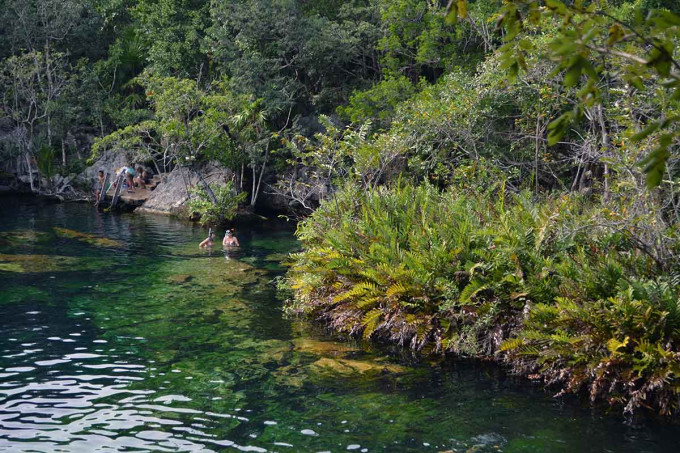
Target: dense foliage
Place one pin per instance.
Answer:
(495, 178)
(545, 286)
(213, 205)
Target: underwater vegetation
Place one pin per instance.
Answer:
(43, 263)
(87, 238)
(160, 345)
(540, 286)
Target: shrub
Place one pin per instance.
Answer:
(201, 205)
(544, 286)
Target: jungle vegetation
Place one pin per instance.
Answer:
(496, 179)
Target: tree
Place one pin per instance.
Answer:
(591, 42)
(67, 26)
(33, 84)
(191, 124)
(293, 56)
(172, 31)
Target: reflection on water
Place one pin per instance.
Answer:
(117, 333)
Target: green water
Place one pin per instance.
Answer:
(118, 334)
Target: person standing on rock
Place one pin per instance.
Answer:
(99, 184)
(129, 173)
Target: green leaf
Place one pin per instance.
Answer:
(646, 132)
(616, 33)
(636, 81)
(451, 12)
(534, 13)
(556, 5)
(471, 289)
(573, 73)
(660, 59)
(558, 127)
(513, 72)
(655, 163)
(613, 344)
(664, 19)
(462, 8)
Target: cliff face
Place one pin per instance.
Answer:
(108, 162)
(171, 195)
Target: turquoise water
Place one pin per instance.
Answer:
(118, 334)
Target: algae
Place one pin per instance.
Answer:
(17, 238)
(37, 263)
(25, 263)
(350, 368)
(10, 267)
(87, 238)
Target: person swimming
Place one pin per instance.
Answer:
(230, 239)
(208, 242)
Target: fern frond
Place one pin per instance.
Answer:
(396, 289)
(471, 289)
(370, 322)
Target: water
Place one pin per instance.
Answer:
(118, 334)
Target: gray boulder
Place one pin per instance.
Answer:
(171, 195)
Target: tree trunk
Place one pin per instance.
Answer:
(537, 140)
(256, 190)
(30, 171)
(206, 187)
(252, 192)
(50, 92)
(63, 153)
(605, 148)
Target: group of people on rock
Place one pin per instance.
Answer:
(229, 239)
(135, 178)
(139, 178)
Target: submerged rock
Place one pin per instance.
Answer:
(180, 279)
(36, 263)
(20, 237)
(88, 238)
(352, 367)
(323, 348)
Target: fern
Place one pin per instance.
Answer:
(357, 290)
(370, 322)
(511, 344)
(396, 289)
(471, 289)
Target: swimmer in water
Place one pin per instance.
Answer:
(230, 239)
(208, 242)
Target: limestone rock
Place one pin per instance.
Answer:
(170, 197)
(353, 367)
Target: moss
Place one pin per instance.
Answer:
(325, 348)
(180, 279)
(87, 238)
(37, 263)
(17, 238)
(10, 267)
(348, 367)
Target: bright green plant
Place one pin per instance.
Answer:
(463, 270)
(623, 348)
(214, 212)
(592, 39)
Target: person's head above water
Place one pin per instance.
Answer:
(228, 233)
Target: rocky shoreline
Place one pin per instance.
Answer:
(170, 197)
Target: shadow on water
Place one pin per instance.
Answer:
(145, 342)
